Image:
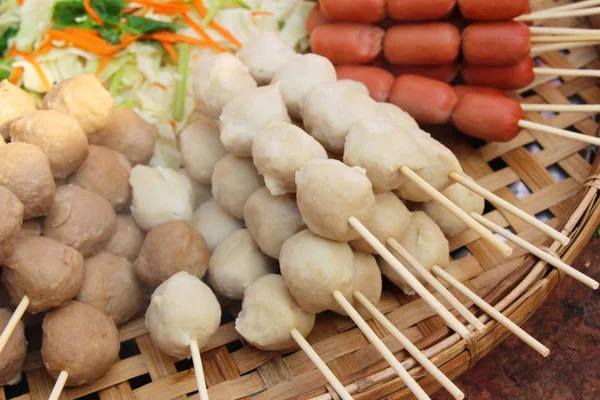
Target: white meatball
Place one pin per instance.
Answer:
(440, 163)
(247, 114)
(299, 76)
(272, 220)
(217, 80)
(329, 193)
(464, 198)
(183, 309)
(367, 281)
(202, 193)
(314, 268)
(279, 151)
(214, 223)
(381, 147)
(236, 263)
(14, 102)
(331, 109)
(397, 116)
(425, 241)
(159, 195)
(390, 219)
(233, 181)
(201, 148)
(264, 54)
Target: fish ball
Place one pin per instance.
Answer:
(110, 286)
(201, 148)
(314, 267)
(84, 98)
(183, 309)
(426, 242)
(214, 223)
(389, 220)
(58, 135)
(331, 109)
(15, 350)
(367, 281)
(14, 102)
(245, 115)
(80, 340)
(236, 263)
(31, 227)
(171, 247)
(127, 133)
(272, 220)
(127, 240)
(329, 193)
(202, 193)
(264, 54)
(381, 148)
(81, 219)
(217, 80)
(25, 171)
(279, 151)
(11, 221)
(299, 76)
(233, 181)
(160, 194)
(50, 273)
(269, 313)
(467, 200)
(398, 116)
(106, 173)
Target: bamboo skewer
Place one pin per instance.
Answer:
(567, 7)
(547, 30)
(59, 385)
(565, 38)
(14, 321)
(559, 14)
(199, 370)
(559, 132)
(539, 253)
(567, 72)
(585, 108)
(544, 48)
(492, 312)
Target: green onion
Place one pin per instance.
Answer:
(183, 67)
(116, 81)
(212, 11)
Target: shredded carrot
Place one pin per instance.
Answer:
(169, 37)
(203, 33)
(199, 6)
(20, 2)
(170, 49)
(38, 68)
(44, 48)
(173, 125)
(102, 64)
(94, 45)
(91, 12)
(82, 31)
(260, 12)
(201, 9)
(172, 7)
(160, 85)
(15, 75)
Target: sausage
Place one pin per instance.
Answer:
(315, 18)
(353, 10)
(492, 10)
(347, 43)
(507, 78)
(422, 44)
(414, 10)
(428, 101)
(445, 72)
(496, 43)
(488, 117)
(461, 90)
(377, 80)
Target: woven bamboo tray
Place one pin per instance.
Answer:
(517, 285)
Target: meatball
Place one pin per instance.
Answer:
(11, 220)
(264, 54)
(169, 248)
(84, 98)
(397, 116)
(214, 223)
(201, 148)
(367, 281)
(14, 352)
(58, 135)
(14, 102)
(127, 240)
(202, 193)
(106, 173)
(25, 171)
(81, 219)
(31, 227)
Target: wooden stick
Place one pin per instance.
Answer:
(320, 364)
(59, 385)
(413, 282)
(13, 322)
(544, 48)
(456, 211)
(199, 370)
(492, 312)
(411, 348)
(505, 205)
(566, 38)
(430, 279)
(548, 30)
(380, 346)
(560, 14)
(539, 253)
(559, 132)
(567, 72)
(584, 108)
(572, 6)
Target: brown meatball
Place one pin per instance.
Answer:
(14, 101)
(127, 133)
(110, 286)
(84, 98)
(31, 227)
(81, 219)
(169, 248)
(48, 272)
(105, 172)
(13, 355)
(127, 240)
(80, 340)
(58, 135)
(11, 220)
(25, 171)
